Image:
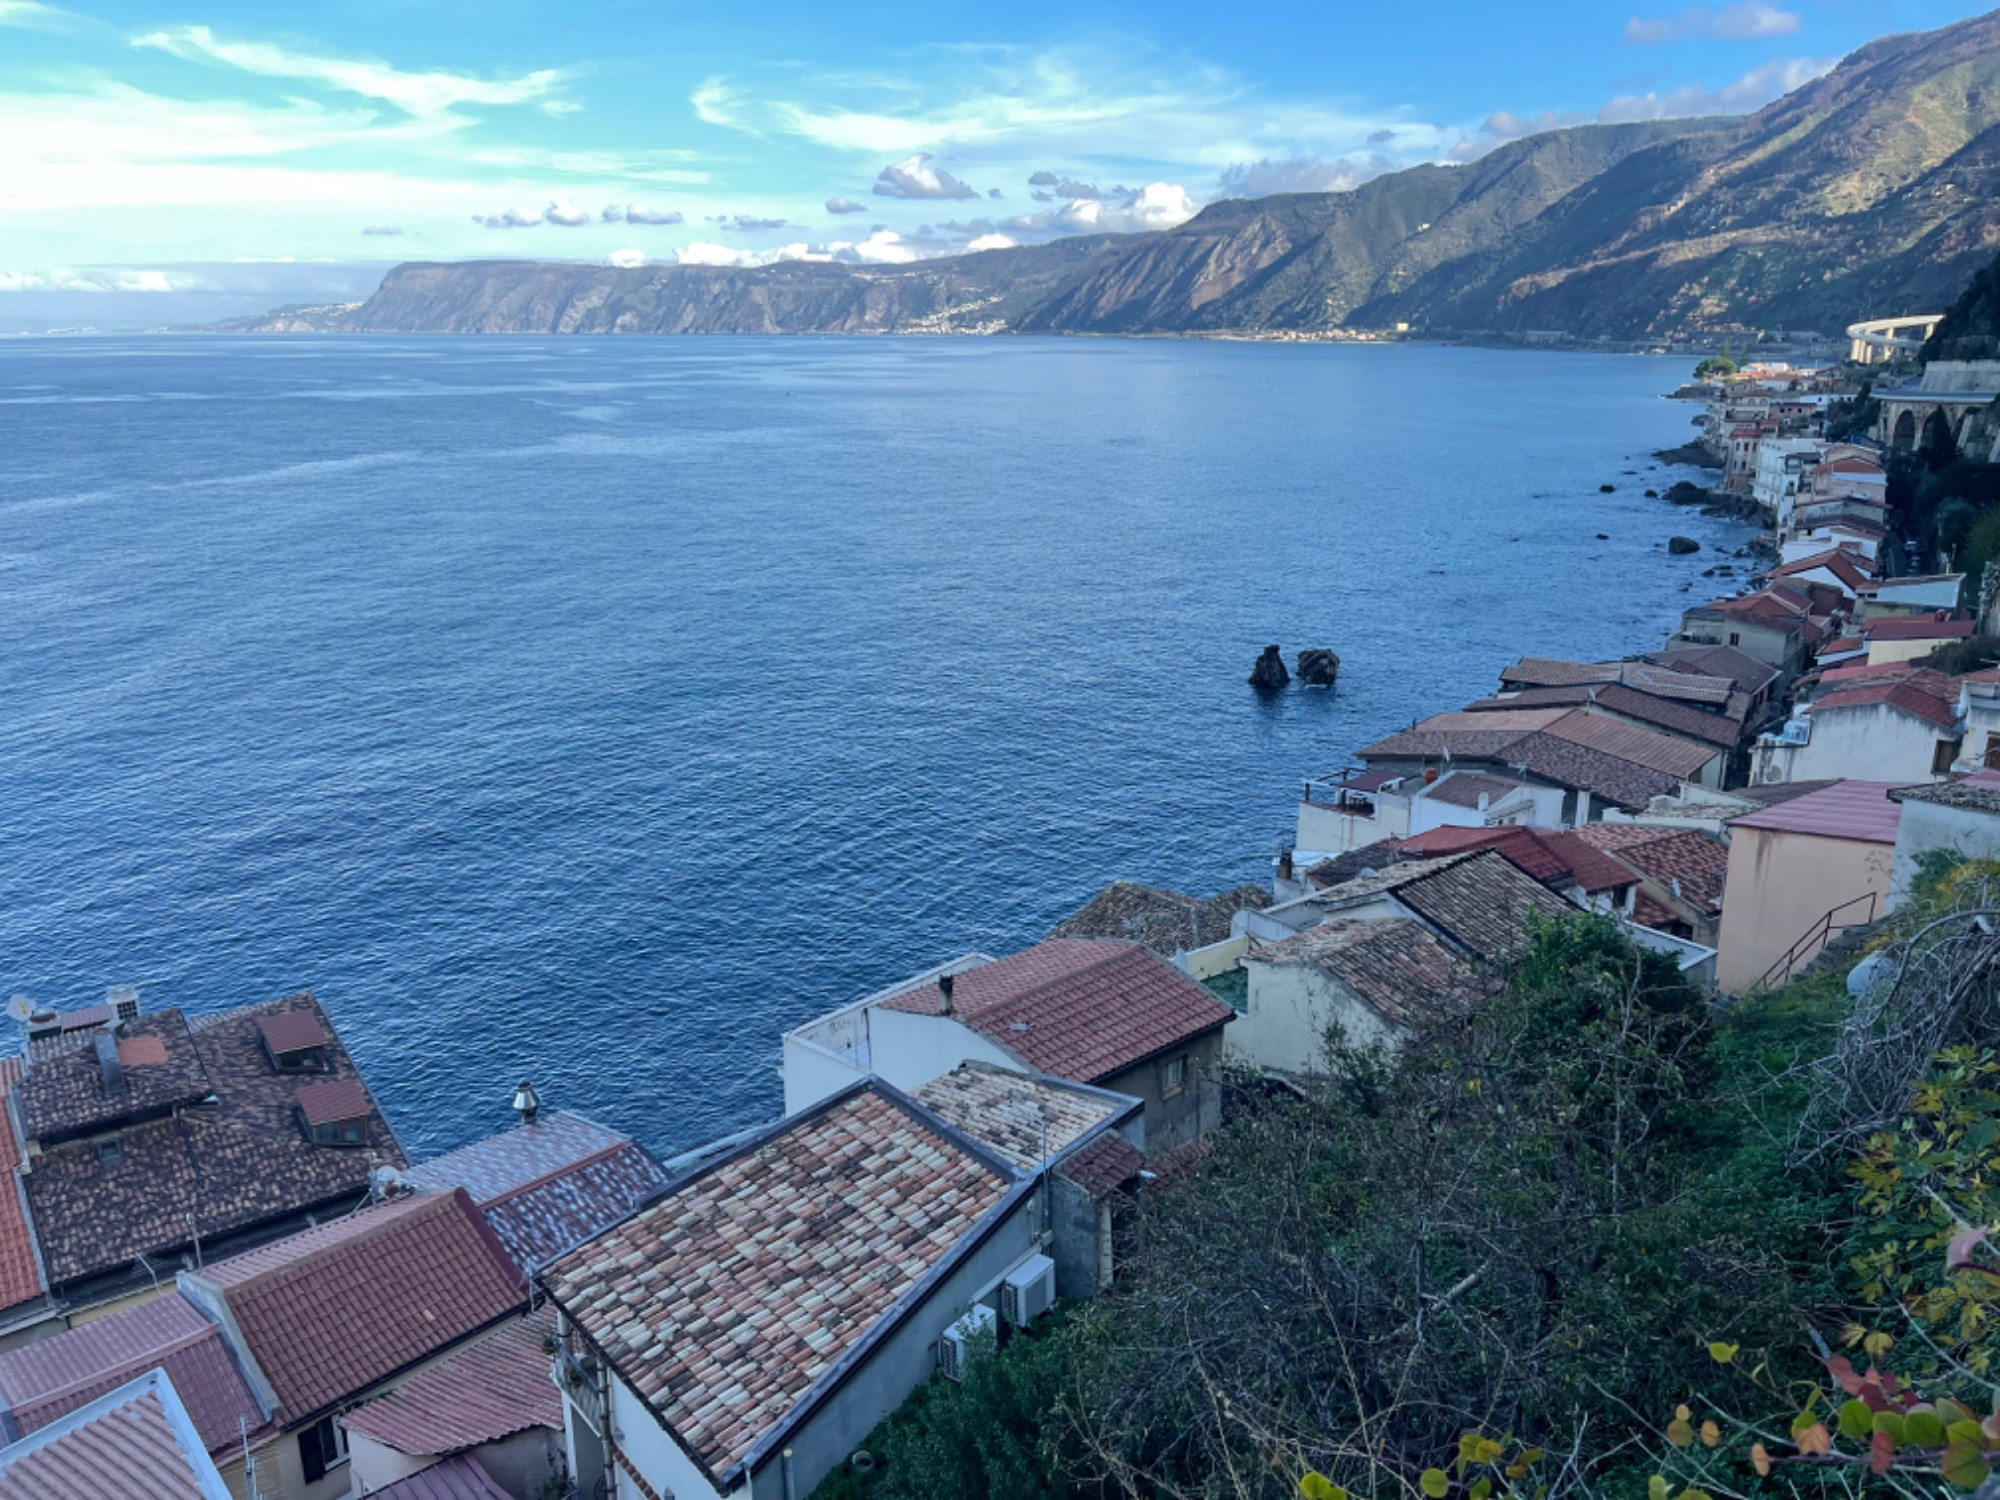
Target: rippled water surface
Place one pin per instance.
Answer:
(595, 709)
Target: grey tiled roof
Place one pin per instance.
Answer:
(1022, 1117)
(1165, 921)
(1397, 967)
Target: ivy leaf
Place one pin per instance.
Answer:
(1433, 1483)
(1923, 1429)
(1656, 1488)
(1316, 1486)
(1856, 1420)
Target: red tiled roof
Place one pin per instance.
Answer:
(1104, 1165)
(1903, 696)
(459, 1478)
(1591, 869)
(1612, 837)
(1020, 1116)
(1649, 913)
(495, 1386)
(543, 1187)
(336, 1099)
(20, 1273)
(1850, 569)
(1079, 1008)
(1697, 862)
(1642, 747)
(722, 1303)
(1917, 628)
(51, 1377)
(328, 1313)
(1523, 848)
(135, 1445)
(1857, 810)
(291, 1031)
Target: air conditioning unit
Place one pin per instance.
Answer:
(956, 1348)
(1029, 1290)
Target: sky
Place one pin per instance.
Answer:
(258, 151)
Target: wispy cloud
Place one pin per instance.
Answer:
(639, 213)
(27, 15)
(839, 205)
(1302, 174)
(1742, 23)
(114, 279)
(430, 95)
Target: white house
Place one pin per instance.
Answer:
(1958, 817)
(1876, 730)
(1093, 1010)
(1784, 467)
(1979, 707)
(741, 1335)
(1349, 811)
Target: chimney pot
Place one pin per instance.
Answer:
(944, 994)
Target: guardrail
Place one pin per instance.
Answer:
(1815, 938)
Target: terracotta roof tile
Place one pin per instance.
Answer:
(1690, 859)
(544, 1187)
(20, 1272)
(1465, 788)
(1397, 967)
(1622, 763)
(239, 1162)
(1902, 696)
(1741, 668)
(1665, 713)
(1523, 847)
(1917, 628)
(460, 1478)
(134, 1444)
(494, 1387)
(1102, 1166)
(1023, 1118)
(52, 1377)
(1078, 1008)
(1480, 901)
(1165, 921)
(329, 1312)
(724, 1302)
(291, 1031)
(67, 1096)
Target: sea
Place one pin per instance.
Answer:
(593, 710)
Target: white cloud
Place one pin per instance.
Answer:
(383, 231)
(420, 95)
(990, 242)
(626, 260)
(26, 15)
(511, 218)
(1157, 205)
(1750, 22)
(701, 253)
(1301, 174)
(565, 213)
(839, 205)
(639, 213)
(914, 177)
(120, 279)
(1753, 90)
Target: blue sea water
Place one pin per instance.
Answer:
(593, 710)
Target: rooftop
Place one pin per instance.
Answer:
(20, 1270)
(727, 1300)
(1917, 628)
(1856, 810)
(1721, 728)
(1103, 1164)
(145, 1070)
(1478, 901)
(494, 1387)
(1686, 861)
(1972, 796)
(459, 1478)
(1024, 1118)
(135, 1443)
(1397, 967)
(547, 1185)
(1465, 788)
(238, 1162)
(1621, 763)
(1741, 668)
(1078, 1008)
(1905, 697)
(45, 1380)
(328, 1313)
(1165, 921)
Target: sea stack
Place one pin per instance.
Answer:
(1318, 666)
(1269, 674)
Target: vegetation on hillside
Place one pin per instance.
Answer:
(1970, 328)
(1598, 1236)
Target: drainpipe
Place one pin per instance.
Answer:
(791, 1486)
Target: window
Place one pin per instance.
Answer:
(340, 1133)
(110, 1150)
(1735, 639)
(303, 1060)
(1173, 1076)
(322, 1446)
(1944, 755)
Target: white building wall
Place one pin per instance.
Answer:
(1871, 743)
(653, 1452)
(910, 1050)
(811, 1073)
(1327, 830)
(1926, 825)
(1290, 1007)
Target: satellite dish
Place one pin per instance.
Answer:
(19, 1008)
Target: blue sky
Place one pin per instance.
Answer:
(196, 134)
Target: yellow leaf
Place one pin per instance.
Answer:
(1722, 1353)
(1710, 1434)
(1760, 1459)
(1433, 1483)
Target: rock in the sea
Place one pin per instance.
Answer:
(1652, 494)
(1606, 489)
(1269, 674)
(1318, 666)
(1683, 493)
(1680, 546)
(1604, 536)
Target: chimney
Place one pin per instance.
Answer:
(123, 1000)
(944, 994)
(1285, 864)
(1430, 774)
(109, 1070)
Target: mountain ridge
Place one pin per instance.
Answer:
(1872, 189)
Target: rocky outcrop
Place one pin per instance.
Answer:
(1269, 674)
(1681, 546)
(1318, 666)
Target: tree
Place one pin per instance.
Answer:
(1715, 367)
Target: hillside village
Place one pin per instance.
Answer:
(222, 1275)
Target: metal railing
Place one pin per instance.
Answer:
(1815, 938)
